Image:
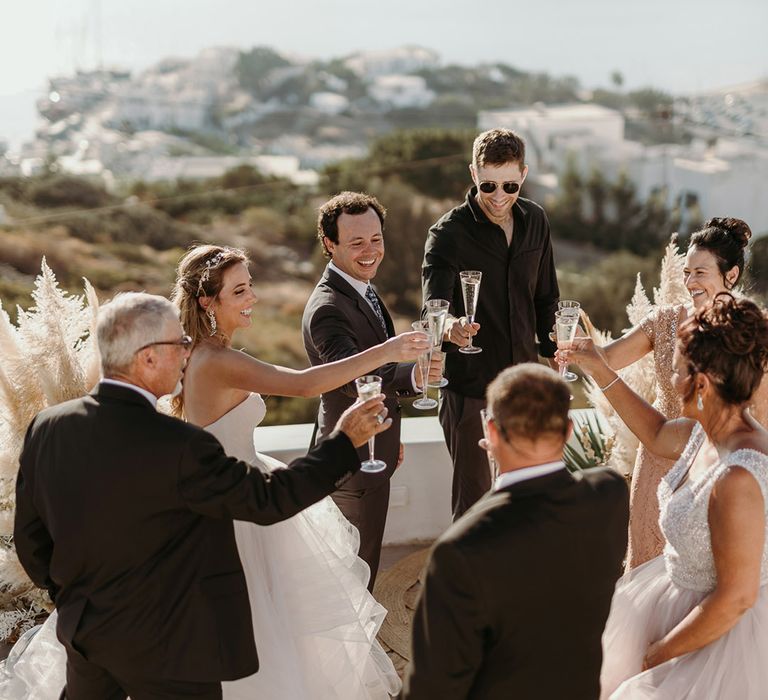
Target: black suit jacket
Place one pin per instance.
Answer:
(518, 592)
(125, 515)
(339, 323)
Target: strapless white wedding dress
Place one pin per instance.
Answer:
(314, 620)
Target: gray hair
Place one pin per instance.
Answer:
(126, 323)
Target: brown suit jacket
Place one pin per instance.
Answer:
(339, 323)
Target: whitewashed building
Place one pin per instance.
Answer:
(724, 179)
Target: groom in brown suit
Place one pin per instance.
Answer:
(518, 589)
(345, 315)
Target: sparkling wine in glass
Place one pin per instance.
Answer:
(437, 313)
(569, 307)
(368, 387)
(424, 403)
(470, 289)
(565, 331)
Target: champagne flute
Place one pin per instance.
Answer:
(569, 307)
(484, 418)
(437, 313)
(470, 289)
(565, 331)
(368, 387)
(424, 403)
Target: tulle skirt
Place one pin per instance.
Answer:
(647, 605)
(36, 667)
(314, 620)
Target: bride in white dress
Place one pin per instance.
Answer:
(693, 623)
(315, 622)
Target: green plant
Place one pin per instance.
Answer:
(593, 446)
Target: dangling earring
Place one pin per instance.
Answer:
(700, 402)
(212, 320)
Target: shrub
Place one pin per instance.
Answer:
(67, 191)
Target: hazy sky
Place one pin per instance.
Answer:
(678, 45)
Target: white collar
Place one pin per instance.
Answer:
(146, 394)
(360, 287)
(523, 474)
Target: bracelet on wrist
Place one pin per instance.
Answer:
(609, 384)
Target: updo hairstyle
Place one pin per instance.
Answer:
(201, 274)
(728, 341)
(726, 239)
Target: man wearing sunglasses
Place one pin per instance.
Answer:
(506, 237)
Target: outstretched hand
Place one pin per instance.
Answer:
(584, 353)
(459, 331)
(363, 420)
(408, 346)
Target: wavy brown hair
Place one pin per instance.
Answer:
(200, 274)
(728, 341)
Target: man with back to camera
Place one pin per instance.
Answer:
(518, 590)
(507, 238)
(125, 515)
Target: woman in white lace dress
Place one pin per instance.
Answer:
(693, 623)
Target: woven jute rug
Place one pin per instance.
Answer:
(397, 589)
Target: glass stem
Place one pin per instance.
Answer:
(371, 440)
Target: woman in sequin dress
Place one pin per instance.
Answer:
(693, 623)
(714, 264)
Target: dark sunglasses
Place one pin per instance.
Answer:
(488, 186)
(185, 341)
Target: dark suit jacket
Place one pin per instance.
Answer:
(518, 592)
(339, 323)
(125, 515)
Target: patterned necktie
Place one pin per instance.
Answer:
(370, 295)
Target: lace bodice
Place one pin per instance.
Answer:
(684, 514)
(234, 430)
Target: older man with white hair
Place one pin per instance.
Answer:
(125, 515)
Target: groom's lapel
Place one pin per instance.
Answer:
(339, 284)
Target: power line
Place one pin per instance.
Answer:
(263, 186)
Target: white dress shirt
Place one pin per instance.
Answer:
(358, 285)
(146, 394)
(508, 478)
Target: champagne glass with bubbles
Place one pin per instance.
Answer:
(437, 313)
(368, 387)
(424, 403)
(565, 331)
(470, 289)
(569, 307)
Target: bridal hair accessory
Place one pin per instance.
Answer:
(212, 319)
(205, 275)
(700, 403)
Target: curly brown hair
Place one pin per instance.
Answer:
(344, 203)
(728, 341)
